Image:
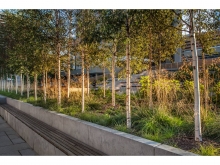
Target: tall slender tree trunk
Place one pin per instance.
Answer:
(58, 47)
(83, 81)
(198, 132)
(44, 86)
(4, 85)
(35, 87)
(128, 76)
(16, 84)
(159, 69)
(69, 56)
(11, 83)
(104, 82)
(150, 72)
(21, 85)
(205, 80)
(7, 84)
(55, 85)
(68, 74)
(28, 85)
(46, 83)
(1, 82)
(59, 78)
(113, 75)
(87, 70)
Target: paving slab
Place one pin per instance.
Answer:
(11, 132)
(11, 143)
(12, 153)
(4, 125)
(17, 141)
(2, 121)
(5, 141)
(7, 129)
(27, 152)
(14, 147)
(13, 136)
(2, 134)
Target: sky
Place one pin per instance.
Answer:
(109, 4)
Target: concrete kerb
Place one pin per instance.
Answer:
(109, 141)
(163, 150)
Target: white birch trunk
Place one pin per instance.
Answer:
(59, 77)
(7, 83)
(4, 85)
(150, 73)
(198, 133)
(68, 76)
(35, 87)
(1, 84)
(83, 99)
(128, 85)
(21, 85)
(11, 85)
(69, 57)
(87, 70)
(44, 87)
(28, 85)
(104, 82)
(113, 76)
(46, 82)
(16, 84)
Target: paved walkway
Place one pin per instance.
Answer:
(11, 143)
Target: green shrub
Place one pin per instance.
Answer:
(156, 124)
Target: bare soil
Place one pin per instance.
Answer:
(188, 143)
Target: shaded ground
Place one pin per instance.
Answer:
(189, 144)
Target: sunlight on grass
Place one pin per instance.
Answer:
(209, 150)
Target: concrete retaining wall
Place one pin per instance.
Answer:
(109, 141)
(36, 142)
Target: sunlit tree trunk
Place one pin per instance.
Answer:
(104, 82)
(1, 84)
(83, 81)
(58, 47)
(11, 83)
(16, 84)
(128, 76)
(198, 132)
(46, 83)
(55, 85)
(87, 70)
(7, 83)
(35, 87)
(28, 85)
(44, 87)
(150, 72)
(59, 78)
(68, 74)
(69, 57)
(205, 80)
(113, 76)
(21, 84)
(4, 84)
